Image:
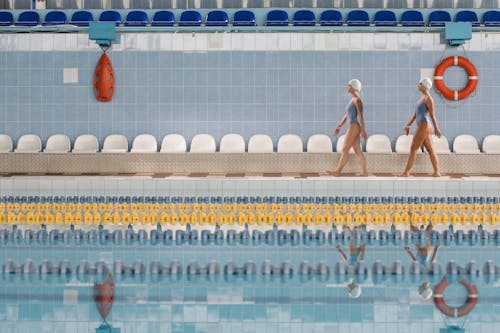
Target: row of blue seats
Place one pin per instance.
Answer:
(252, 199)
(247, 18)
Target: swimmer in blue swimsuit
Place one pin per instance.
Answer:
(356, 127)
(426, 121)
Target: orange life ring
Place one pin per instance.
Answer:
(104, 79)
(450, 311)
(454, 94)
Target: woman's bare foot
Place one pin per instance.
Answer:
(436, 174)
(404, 174)
(334, 173)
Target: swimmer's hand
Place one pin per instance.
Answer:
(407, 130)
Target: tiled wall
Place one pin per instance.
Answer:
(183, 186)
(247, 83)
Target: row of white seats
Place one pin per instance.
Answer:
(235, 143)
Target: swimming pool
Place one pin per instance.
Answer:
(189, 275)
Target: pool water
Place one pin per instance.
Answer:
(224, 299)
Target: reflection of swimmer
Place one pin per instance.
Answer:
(426, 254)
(354, 290)
(424, 290)
(356, 253)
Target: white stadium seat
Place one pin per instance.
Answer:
(58, 144)
(5, 143)
(144, 143)
(173, 143)
(86, 144)
(290, 143)
(202, 143)
(232, 143)
(403, 144)
(319, 143)
(491, 144)
(29, 143)
(260, 143)
(115, 143)
(465, 144)
(340, 145)
(378, 144)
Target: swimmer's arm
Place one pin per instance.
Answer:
(359, 111)
(342, 122)
(408, 125)
(412, 119)
(339, 127)
(429, 102)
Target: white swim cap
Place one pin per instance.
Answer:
(427, 83)
(354, 290)
(356, 84)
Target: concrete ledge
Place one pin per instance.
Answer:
(100, 163)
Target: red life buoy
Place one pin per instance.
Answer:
(454, 94)
(104, 296)
(448, 310)
(104, 79)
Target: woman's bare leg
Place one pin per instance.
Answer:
(418, 140)
(361, 158)
(350, 136)
(432, 154)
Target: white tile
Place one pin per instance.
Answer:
(70, 75)
(296, 41)
(249, 42)
(215, 41)
(380, 40)
(177, 42)
(272, 41)
(260, 42)
(367, 41)
(344, 42)
(70, 297)
(165, 42)
(284, 41)
(237, 42)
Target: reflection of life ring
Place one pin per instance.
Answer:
(454, 94)
(448, 310)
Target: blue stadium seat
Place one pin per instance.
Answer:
(358, 18)
(277, 17)
(438, 18)
(304, 18)
(6, 19)
(190, 18)
(491, 18)
(244, 18)
(412, 18)
(136, 18)
(331, 17)
(385, 18)
(217, 18)
(55, 17)
(163, 18)
(467, 16)
(81, 18)
(28, 19)
(110, 16)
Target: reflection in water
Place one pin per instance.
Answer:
(104, 296)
